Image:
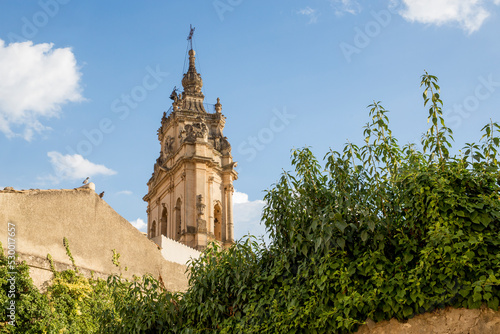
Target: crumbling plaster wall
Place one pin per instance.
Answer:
(42, 218)
(444, 321)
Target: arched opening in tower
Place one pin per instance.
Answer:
(178, 223)
(164, 222)
(218, 222)
(152, 232)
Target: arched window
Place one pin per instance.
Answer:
(178, 223)
(163, 222)
(152, 232)
(218, 222)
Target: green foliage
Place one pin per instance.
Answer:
(68, 252)
(31, 307)
(116, 257)
(222, 287)
(72, 303)
(143, 305)
(380, 231)
(437, 139)
(77, 304)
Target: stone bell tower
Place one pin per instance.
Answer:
(190, 195)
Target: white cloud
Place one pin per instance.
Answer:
(36, 79)
(124, 192)
(469, 14)
(139, 224)
(247, 215)
(239, 198)
(74, 167)
(310, 13)
(345, 6)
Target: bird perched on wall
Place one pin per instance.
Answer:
(86, 180)
(101, 194)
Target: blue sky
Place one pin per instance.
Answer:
(83, 84)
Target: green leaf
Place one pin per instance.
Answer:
(493, 303)
(341, 242)
(304, 249)
(317, 243)
(407, 311)
(408, 257)
(341, 225)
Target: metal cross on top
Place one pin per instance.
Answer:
(190, 37)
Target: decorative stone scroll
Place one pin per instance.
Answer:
(193, 131)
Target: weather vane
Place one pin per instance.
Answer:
(190, 37)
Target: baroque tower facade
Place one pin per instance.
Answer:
(190, 194)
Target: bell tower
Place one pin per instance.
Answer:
(190, 194)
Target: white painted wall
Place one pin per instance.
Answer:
(174, 251)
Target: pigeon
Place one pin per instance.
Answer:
(86, 180)
(101, 194)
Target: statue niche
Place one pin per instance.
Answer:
(168, 146)
(200, 206)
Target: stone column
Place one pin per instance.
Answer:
(182, 212)
(172, 208)
(210, 201)
(230, 225)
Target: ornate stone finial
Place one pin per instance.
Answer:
(218, 106)
(192, 58)
(191, 81)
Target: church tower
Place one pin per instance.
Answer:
(190, 194)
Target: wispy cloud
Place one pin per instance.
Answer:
(139, 224)
(36, 79)
(73, 167)
(312, 14)
(345, 6)
(124, 192)
(468, 14)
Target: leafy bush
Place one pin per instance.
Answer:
(31, 307)
(141, 306)
(381, 231)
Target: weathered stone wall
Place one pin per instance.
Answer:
(447, 321)
(42, 218)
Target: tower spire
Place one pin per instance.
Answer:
(192, 96)
(191, 190)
